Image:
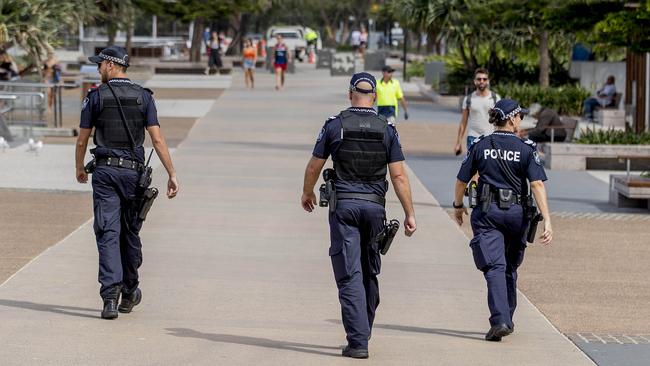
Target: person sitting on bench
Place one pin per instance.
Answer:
(604, 98)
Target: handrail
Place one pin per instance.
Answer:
(38, 94)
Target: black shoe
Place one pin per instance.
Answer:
(129, 301)
(497, 332)
(354, 352)
(110, 309)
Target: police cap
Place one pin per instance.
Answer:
(508, 108)
(363, 82)
(115, 54)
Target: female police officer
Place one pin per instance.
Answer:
(505, 164)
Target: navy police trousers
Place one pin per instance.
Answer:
(117, 229)
(356, 262)
(498, 249)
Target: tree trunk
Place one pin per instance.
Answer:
(544, 59)
(195, 51)
(130, 19)
(463, 55)
(111, 31)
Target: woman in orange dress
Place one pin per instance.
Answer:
(249, 60)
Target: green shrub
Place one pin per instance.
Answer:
(566, 99)
(613, 137)
(415, 68)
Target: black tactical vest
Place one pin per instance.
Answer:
(362, 156)
(109, 130)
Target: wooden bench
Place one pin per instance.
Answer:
(568, 124)
(629, 191)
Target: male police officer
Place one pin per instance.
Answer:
(119, 158)
(362, 144)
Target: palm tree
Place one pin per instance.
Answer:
(32, 24)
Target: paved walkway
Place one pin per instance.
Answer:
(236, 273)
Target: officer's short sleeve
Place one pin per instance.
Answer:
(535, 170)
(151, 113)
(469, 165)
(322, 147)
(89, 109)
(394, 146)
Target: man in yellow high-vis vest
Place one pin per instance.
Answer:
(389, 92)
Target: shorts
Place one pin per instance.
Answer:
(280, 66)
(249, 64)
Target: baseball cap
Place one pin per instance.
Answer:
(115, 54)
(509, 108)
(363, 82)
(387, 69)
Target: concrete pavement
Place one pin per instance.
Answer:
(236, 273)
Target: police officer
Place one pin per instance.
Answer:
(507, 165)
(362, 144)
(119, 158)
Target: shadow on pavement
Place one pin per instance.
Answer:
(444, 332)
(254, 341)
(57, 309)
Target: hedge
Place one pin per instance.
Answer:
(566, 99)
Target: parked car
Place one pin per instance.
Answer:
(293, 37)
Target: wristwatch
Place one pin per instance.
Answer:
(459, 206)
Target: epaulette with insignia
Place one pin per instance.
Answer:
(529, 142)
(478, 139)
(331, 118)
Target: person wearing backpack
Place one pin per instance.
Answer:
(475, 109)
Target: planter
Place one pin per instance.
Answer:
(342, 64)
(564, 156)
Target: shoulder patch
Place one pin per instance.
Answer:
(478, 139)
(530, 143)
(85, 103)
(331, 118)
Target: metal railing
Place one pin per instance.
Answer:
(32, 99)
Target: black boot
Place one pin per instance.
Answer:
(110, 309)
(354, 352)
(130, 300)
(497, 332)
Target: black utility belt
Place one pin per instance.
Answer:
(504, 198)
(120, 163)
(362, 196)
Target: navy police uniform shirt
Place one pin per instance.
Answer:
(90, 112)
(519, 155)
(328, 143)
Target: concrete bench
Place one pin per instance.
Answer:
(629, 191)
(568, 156)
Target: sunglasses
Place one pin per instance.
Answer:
(481, 79)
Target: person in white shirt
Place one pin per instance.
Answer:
(475, 109)
(604, 98)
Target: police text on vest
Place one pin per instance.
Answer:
(506, 155)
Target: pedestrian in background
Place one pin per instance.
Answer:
(214, 60)
(389, 93)
(249, 59)
(281, 59)
(475, 108)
